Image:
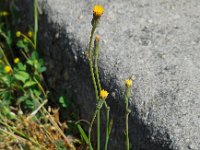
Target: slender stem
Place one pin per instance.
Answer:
(96, 51)
(90, 61)
(35, 22)
(24, 54)
(90, 128)
(8, 43)
(29, 40)
(94, 83)
(127, 94)
(40, 87)
(98, 129)
(96, 55)
(107, 126)
(4, 57)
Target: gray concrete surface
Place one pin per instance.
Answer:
(157, 41)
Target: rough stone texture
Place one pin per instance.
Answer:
(157, 41)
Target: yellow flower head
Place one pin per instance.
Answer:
(128, 83)
(98, 10)
(16, 60)
(30, 34)
(4, 13)
(103, 94)
(18, 34)
(7, 69)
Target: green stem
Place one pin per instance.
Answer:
(127, 114)
(29, 40)
(96, 55)
(96, 51)
(94, 83)
(40, 87)
(90, 61)
(4, 57)
(90, 128)
(8, 43)
(96, 48)
(35, 22)
(107, 126)
(98, 129)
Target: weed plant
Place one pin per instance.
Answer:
(25, 122)
(101, 94)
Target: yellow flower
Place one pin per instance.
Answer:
(4, 13)
(103, 94)
(98, 10)
(7, 69)
(18, 34)
(16, 60)
(128, 83)
(30, 34)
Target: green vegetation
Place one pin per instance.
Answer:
(25, 121)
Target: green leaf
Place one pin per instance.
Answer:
(22, 76)
(29, 84)
(42, 69)
(37, 93)
(21, 99)
(7, 80)
(6, 96)
(23, 45)
(30, 61)
(29, 104)
(63, 101)
(5, 110)
(21, 67)
(34, 55)
(83, 134)
(41, 62)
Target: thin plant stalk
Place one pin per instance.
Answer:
(98, 129)
(91, 62)
(96, 55)
(29, 40)
(107, 126)
(96, 52)
(90, 128)
(9, 45)
(94, 83)
(35, 22)
(127, 95)
(98, 108)
(4, 57)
